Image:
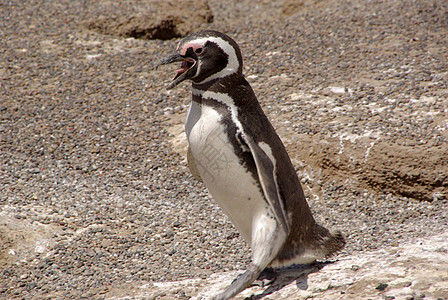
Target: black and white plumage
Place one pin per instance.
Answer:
(236, 152)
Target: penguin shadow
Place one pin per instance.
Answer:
(285, 276)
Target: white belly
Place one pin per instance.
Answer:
(230, 184)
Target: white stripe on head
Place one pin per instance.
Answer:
(232, 64)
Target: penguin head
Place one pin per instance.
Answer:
(205, 55)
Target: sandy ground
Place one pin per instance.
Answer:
(95, 194)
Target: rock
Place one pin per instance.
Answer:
(383, 166)
(403, 272)
(160, 20)
(21, 239)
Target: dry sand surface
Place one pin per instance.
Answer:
(95, 195)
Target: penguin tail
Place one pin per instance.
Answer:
(328, 242)
(318, 243)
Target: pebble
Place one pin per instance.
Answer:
(382, 286)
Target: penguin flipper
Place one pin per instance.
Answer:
(192, 165)
(265, 164)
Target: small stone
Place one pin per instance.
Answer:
(381, 286)
(355, 267)
(24, 276)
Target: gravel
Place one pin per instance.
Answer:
(94, 200)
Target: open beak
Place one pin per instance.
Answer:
(187, 68)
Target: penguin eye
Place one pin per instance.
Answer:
(199, 50)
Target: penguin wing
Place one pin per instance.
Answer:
(265, 164)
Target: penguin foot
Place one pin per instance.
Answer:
(266, 277)
(240, 283)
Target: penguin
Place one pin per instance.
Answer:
(235, 151)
